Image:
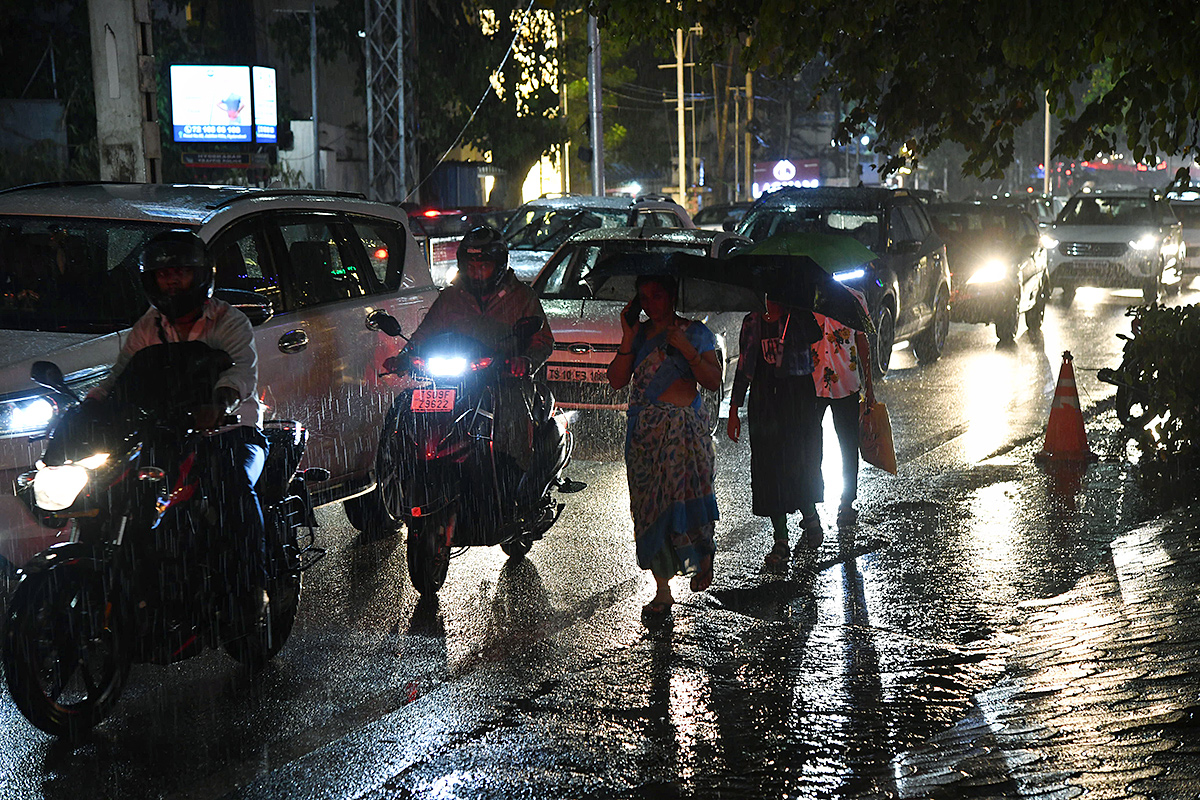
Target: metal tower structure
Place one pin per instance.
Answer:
(390, 49)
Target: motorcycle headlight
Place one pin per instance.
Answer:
(26, 415)
(446, 366)
(993, 271)
(1147, 241)
(57, 488)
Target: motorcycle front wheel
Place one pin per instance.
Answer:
(65, 660)
(428, 550)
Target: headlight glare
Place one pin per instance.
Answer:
(1049, 242)
(446, 366)
(849, 275)
(1145, 242)
(26, 415)
(993, 271)
(55, 488)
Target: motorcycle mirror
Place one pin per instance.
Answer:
(47, 373)
(380, 320)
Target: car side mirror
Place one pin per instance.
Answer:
(380, 320)
(257, 308)
(47, 373)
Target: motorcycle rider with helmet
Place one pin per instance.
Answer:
(177, 278)
(484, 301)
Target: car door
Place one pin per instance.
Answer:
(907, 262)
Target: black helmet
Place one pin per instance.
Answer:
(483, 243)
(177, 248)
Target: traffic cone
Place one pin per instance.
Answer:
(1065, 436)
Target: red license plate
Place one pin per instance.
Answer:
(429, 400)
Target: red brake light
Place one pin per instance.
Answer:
(482, 363)
(433, 212)
(381, 253)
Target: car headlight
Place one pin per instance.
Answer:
(26, 415)
(1146, 241)
(849, 275)
(446, 366)
(1048, 241)
(56, 488)
(993, 271)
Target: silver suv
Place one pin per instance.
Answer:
(537, 228)
(306, 267)
(1115, 240)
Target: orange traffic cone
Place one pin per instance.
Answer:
(1065, 436)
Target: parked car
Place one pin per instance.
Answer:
(1186, 205)
(307, 267)
(907, 287)
(997, 265)
(1116, 240)
(723, 217)
(587, 331)
(540, 226)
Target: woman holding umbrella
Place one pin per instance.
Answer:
(669, 453)
(775, 363)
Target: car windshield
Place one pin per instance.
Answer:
(546, 229)
(71, 275)
(1099, 210)
(1188, 213)
(864, 225)
(565, 277)
(973, 223)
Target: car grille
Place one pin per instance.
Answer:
(1093, 249)
(579, 348)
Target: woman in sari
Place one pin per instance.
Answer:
(668, 448)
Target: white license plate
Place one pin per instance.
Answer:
(577, 374)
(1092, 264)
(431, 400)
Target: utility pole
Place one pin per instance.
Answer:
(748, 186)
(679, 115)
(595, 111)
(123, 77)
(1046, 149)
(312, 69)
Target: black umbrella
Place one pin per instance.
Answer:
(613, 278)
(735, 283)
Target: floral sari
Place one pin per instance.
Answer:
(669, 459)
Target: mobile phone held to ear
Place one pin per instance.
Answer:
(633, 313)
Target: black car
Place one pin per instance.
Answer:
(723, 217)
(907, 287)
(998, 265)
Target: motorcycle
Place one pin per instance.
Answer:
(141, 578)
(437, 469)
(1133, 402)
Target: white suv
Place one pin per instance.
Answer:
(306, 267)
(1115, 240)
(537, 228)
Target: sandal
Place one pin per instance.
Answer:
(658, 607)
(778, 556)
(704, 578)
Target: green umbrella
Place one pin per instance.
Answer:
(833, 252)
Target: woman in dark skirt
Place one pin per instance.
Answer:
(775, 363)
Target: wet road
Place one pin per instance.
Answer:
(983, 617)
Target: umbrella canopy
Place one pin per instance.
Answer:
(833, 252)
(613, 278)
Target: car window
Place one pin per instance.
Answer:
(546, 229)
(242, 256)
(76, 275)
(898, 230)
(1098, 210)
(564, 280)
(1187, 213)
(321, 263)
(384, 244)
(917, 225)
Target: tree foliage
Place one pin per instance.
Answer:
(926, 72)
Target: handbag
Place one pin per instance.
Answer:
(875, 437)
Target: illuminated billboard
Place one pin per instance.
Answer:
(223, 104)
(266, 114)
